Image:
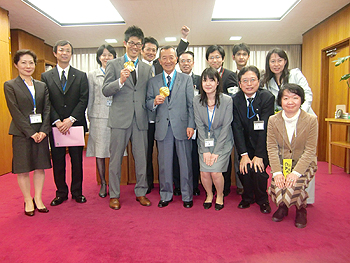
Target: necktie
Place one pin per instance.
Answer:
(133, 74)
(250, 111)
(63, 80)
(168, 84)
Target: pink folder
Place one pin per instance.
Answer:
(74, 138)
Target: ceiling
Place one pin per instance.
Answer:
(164, 18)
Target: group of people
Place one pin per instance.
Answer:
(196, 120)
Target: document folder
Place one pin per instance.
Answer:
(75, 137)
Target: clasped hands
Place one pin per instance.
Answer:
(64, 126)
(285, 182)
(38, 136)
(210, 158)
(256, 163)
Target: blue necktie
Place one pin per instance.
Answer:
(63, 81)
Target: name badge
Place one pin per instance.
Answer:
(35, 118)
(232, 90)
(109, 103)
(196, 92)
(258, 125)
(287, 167)
(209, 142)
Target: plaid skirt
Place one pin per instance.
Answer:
(295, 195)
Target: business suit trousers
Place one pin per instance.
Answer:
(255, 186)
(165, 161)
(150, 136)
(59, 168)
(119, 141)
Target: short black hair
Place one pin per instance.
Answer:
(213, 48)
(61, 43)
(151, 40)
(187, 52)
(246, 69)
(133, 31)
(241, 46)
(100, 52)
(23, 52)
(293, 88)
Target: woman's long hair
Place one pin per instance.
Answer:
(210, 73)
(269, 74)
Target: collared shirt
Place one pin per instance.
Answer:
(246, 98)
(66, 71)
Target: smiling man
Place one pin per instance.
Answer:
(174, 125)
(241, 54)
(126, 80)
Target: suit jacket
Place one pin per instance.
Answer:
(302, 149)
(178, 111)
(220, 130)
(229, 79)
(20, 104)
(71, 102)
(130, 99)
(246, 138)
(97, 106)
(196, 79)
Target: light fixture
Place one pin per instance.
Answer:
(77, 12)
(235, 38)
(256, 10)
(111, 40)
(170, 39)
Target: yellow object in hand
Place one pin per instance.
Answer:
(164, 91)
(129, 65)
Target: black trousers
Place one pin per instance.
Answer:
(150, 172)
(255, 185)
(59, 169)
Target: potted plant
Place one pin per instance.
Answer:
(345, 77)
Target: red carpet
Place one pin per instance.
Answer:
(93, 232)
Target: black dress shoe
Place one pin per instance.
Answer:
(239, 191)
(58, 200)
(177, 191)
(265, 208)
(244, 204)
(196, 191)
(164, 203)
(218, 206)
(103, 191)
(207, 205)
(42, 210)
(79, 199)
(188, 204)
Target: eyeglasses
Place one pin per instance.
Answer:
(215, 57)
(132, 44)
(186, 60)
(246, 81)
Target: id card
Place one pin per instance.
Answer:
(287, 166)
(35, 118)
(209, 142)
(258, 125)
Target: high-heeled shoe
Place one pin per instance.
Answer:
(207, 205)
(218, 206)
(29, 213)
(42, 210)
(103, 191)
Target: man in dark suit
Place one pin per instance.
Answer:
(149, 52)
(69, 92)
(126, 80)
(215, 56)
(186, 63)
(251, 110)
(174, 125)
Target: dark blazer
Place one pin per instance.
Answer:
(229, 79)
(196, 79)
(246, 138)
(180, 48)
(20, 104)
(73, 101)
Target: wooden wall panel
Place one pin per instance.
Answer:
(5, 74)
(333, 30)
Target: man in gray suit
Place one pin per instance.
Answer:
(174, 124)
(126, 80)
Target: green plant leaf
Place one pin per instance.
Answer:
(345, 77)
(340, 60)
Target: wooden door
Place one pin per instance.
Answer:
(338, 93)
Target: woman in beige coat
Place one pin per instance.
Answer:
(291, 145)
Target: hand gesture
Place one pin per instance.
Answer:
(185, 30)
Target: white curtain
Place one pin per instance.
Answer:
(85, 58)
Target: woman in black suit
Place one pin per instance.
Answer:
(28, 102)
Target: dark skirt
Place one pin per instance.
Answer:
(28, 155)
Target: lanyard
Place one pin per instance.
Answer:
(222, 72)
(34, 102)
(104, 73)
(251, 106)
(126, 60)
(171, 82)
(212, 116)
